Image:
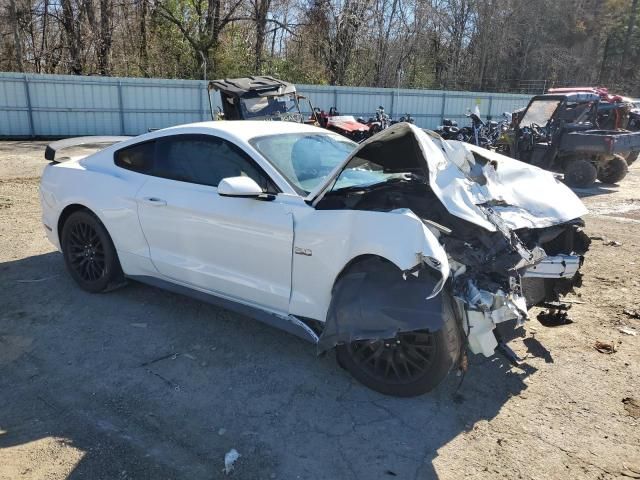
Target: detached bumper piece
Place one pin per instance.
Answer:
(557, 266)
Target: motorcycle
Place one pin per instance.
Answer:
(405, 118)
(379, 122)
(477, 132)
(449, 130)
(500, 135)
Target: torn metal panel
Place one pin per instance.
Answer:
(557, 266)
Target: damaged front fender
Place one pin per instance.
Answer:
(373, 299)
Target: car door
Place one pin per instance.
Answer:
(236, 247)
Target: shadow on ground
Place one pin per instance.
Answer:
(597, 189)
(148, 384)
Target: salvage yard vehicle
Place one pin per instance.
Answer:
(258, 98)
(400, 252)
(345, 125)
(614, 112)
(559, 132)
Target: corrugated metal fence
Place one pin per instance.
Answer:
(65, 105)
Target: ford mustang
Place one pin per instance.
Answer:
(401, 253)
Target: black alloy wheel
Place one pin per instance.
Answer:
(410, 364)
(89, 253)
(398, 360)
(86, 252)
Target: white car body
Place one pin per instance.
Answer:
(282, 257)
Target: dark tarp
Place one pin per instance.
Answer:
(261, 86)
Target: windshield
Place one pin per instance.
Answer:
(259, 107)
(304, 159)
(361, 173)
(539, 112)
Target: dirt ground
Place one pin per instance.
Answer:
(141, 383)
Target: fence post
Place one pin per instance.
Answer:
(27, 94)
(444, 104)
(120, 107)
(393, 96)
(200, 102)
(490, 105)
(335, 98)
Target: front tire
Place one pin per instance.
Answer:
(614, 170)
(580, 174)
(408, 365)
(89, 254)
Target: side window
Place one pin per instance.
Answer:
(204, 160)
(137, 157)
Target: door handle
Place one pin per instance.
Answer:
(155, 201)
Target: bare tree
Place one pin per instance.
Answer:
(201, 23)
(17, 41)
(343, 21)
(71, 25)
(106, 31)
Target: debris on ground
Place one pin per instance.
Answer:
(139, 325)
(189, 356)
(631, 313)
(604, 347)
(222, 431)
(554, 318)
(628, 331)
(613, 243)
(229, 459)
(632, 406)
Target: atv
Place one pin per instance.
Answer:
(614, 111)
(560, 132)
(259, 98)
(346, 125)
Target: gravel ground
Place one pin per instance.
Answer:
(141, 383)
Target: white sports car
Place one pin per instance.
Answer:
(401, 252)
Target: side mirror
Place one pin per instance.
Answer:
(239, 187)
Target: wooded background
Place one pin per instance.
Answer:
(519, 46)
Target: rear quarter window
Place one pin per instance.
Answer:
(137, 158)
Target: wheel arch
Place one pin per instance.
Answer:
(358, 259)
(394, 300)
(66, 213)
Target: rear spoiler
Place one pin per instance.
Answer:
(53, 148)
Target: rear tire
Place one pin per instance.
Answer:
(632, 157)
(580, 173)
(614, 170)
(89, 254)
(410, 364)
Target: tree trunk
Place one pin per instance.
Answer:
(105, 41)
(261, 11)
(17, 42)
(144, 52)
(627, 36)
(72, 37)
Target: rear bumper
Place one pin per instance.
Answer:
(49, 217)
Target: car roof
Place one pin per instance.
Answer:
(248, 129)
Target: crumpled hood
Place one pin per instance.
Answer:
(468, 185)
